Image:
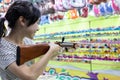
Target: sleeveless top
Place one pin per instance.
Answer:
(8, 56)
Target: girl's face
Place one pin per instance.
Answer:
(31, 30)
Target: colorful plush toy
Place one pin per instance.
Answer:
(84, 12)
(115, 7)
(96, 10)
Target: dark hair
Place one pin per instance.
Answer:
(2, 27)
(17, 9)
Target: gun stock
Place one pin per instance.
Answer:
(26, 53)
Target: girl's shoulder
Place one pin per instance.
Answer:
(4, 44)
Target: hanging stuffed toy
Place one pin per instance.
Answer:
(67, 5)
(84, 12)
(96, 10)
(53, 17)
(78, 3)
(108, 7)
(73, 14)
(60, 15)
(67, 15)
(90, 6)
(58, 6)
(102, 9)
(115, 7)
(79, 11)
(44, 20)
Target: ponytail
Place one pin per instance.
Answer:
(2, 27)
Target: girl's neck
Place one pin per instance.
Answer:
(14, 38)
(16, 35)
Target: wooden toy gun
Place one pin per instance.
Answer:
(29, 52)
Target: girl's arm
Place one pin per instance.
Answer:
(34, 71)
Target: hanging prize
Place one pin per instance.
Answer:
(109, 8)
(59, 6)
(96, 10)
(78, 3)
(67, 5)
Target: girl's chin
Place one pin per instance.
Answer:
(31, 37)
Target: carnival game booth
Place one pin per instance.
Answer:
(98, 52)
(97, 34)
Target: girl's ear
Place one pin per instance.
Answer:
(22, 21)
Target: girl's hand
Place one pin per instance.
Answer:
(54, 49)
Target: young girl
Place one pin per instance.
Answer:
(22, 18)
